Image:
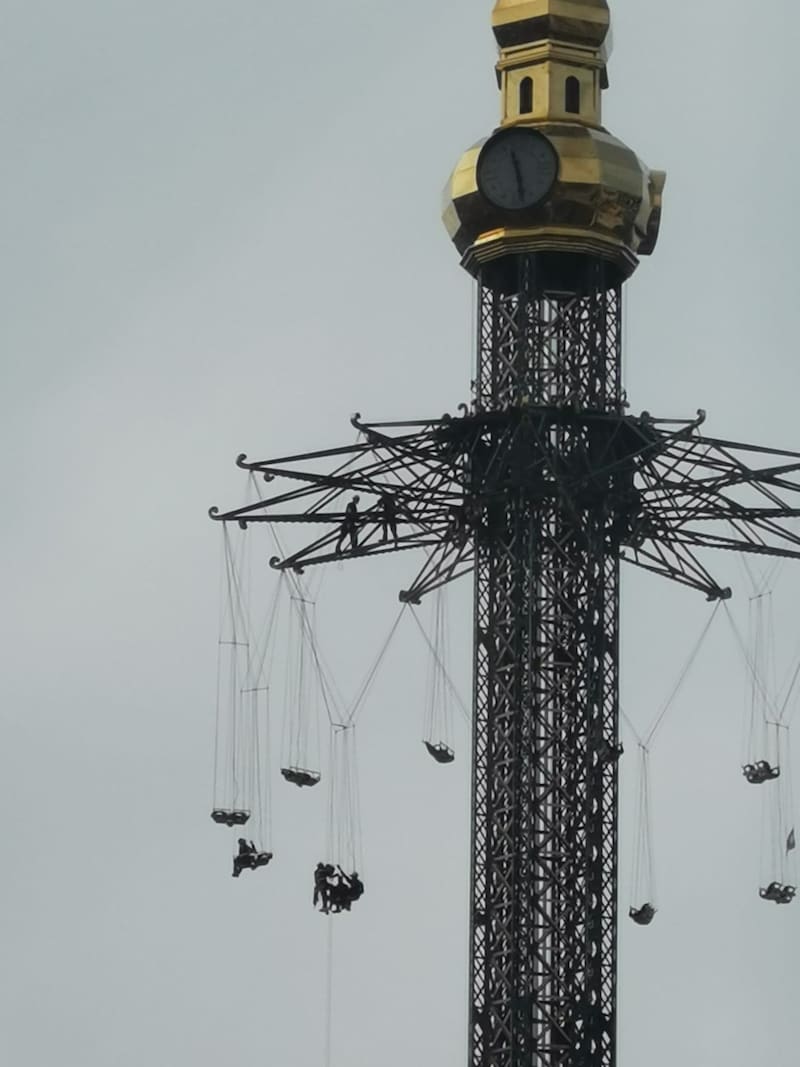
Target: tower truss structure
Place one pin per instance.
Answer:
(540, 487)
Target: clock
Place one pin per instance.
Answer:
(517, 168)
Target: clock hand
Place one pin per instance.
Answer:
(518, 172)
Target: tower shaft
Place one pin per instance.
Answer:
(544, 863)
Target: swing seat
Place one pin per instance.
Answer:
(226, 817)
(441, 752)
(642, 916)
(250, 862)
(760, 772)
(299, 776)
(777, 893)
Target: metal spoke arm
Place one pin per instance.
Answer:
(382, 494)
(702, 493)
(676, 562)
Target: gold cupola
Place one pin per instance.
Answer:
(601, 200)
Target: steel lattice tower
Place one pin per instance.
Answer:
(541, 486)
(545, 676)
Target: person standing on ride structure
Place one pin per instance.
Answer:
(349, 527)
(388, 512)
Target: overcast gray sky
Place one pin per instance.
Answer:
(220, 233)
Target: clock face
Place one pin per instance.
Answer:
(517, 168)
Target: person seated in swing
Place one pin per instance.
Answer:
(346, 891)
(349, 527)
(644, 915)
(245, 856)
(338, 892)
(388, 513)
(356, 888)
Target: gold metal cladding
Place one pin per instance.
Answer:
(605, 202)
(511, 241)
(517, 22)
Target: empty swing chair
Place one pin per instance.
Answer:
(229, 817)
(441, 752)
(300, 748)
(777, 893)
(232, 760)
(644, 915)
(643, 874)
(299, 776)
(760, 662)
(779, 876)
(438, 726)
(760, 772)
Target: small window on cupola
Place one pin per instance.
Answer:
(572, 96)
(526, 96)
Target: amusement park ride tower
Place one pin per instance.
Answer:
(540, 486)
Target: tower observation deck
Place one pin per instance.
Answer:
(540, 487)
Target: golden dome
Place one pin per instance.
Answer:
(605, 204)
(521, 22)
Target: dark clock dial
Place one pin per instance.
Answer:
(517, 168)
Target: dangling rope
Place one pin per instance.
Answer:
(241, 769)
(757, 680)
(643, 878)
(232, 668)
(300, 745)
(344, 818)
(259, 708)
(367, 684)
(778, 814)
(646, 740)
(442, 668)
(329, 995)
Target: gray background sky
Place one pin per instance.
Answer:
(220, 233)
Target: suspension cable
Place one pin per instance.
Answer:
(649, 737)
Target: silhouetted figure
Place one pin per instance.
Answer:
(388, 513)
(356, 887)
(323, 873)
(247, 850)
(347, 889)
(349, 527)
(457, 529)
